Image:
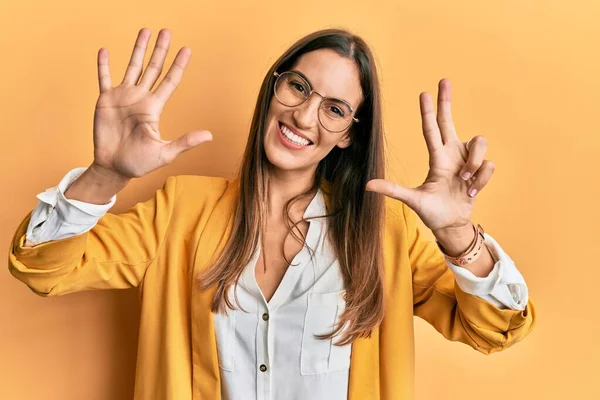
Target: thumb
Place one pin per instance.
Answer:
(406, 195)
(185, 142)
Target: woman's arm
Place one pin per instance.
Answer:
(458, 315)
(113, 254)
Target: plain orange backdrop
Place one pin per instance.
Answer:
(525, 74)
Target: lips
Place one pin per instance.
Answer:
(293, 136)
(291, 144)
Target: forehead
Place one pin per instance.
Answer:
(331, 75)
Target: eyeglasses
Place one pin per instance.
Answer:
(291, 90)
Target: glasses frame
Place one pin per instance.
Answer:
(323, 98)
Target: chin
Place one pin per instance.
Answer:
(280, 157)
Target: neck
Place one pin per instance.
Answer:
(284, 185)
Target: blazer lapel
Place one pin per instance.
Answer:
(206, 374)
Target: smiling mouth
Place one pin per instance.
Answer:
(292, 137)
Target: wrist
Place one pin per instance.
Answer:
(104, 176)
(456, 240)
(96, 185)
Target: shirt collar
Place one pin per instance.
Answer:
(317, 206)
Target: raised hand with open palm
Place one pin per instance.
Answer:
(127, 140)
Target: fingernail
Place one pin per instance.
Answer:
(472, 192)
(466, 175)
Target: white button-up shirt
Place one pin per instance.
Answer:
(267, 350)
(279, 335)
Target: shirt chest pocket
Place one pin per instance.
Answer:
(225, 333)
(322, 355)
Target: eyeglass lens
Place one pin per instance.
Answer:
(292, 90)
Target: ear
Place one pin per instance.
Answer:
(345, 141)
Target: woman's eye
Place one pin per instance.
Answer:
(337, 111)
(298, 87)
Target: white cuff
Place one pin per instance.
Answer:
(57, 217)
(504, 287)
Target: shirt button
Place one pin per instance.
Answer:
(263, 367)
(265, 317)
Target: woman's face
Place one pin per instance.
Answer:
(332, 76)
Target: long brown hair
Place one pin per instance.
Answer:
(355, 216)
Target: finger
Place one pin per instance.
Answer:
(169, 83)
(388, 188)
(484, 174)
(104, 80)
(477, 152)
(157, 60)
(468, 144)
(430, 128)
(184, 143)
(444, 112)
(134, 69)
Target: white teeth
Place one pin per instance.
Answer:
(292, 137)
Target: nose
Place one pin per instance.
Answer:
(306, 115)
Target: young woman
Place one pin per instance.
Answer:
(298, 279)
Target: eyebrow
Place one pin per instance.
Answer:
(311, 87)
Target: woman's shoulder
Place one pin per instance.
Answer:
(209, 185)
(395, 211)
(400, 220)
(198, 192)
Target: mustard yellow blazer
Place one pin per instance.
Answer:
(160, 245)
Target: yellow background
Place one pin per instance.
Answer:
(525, 75)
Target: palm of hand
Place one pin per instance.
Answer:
(442, 198)
(127, 142)
(128, 139)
